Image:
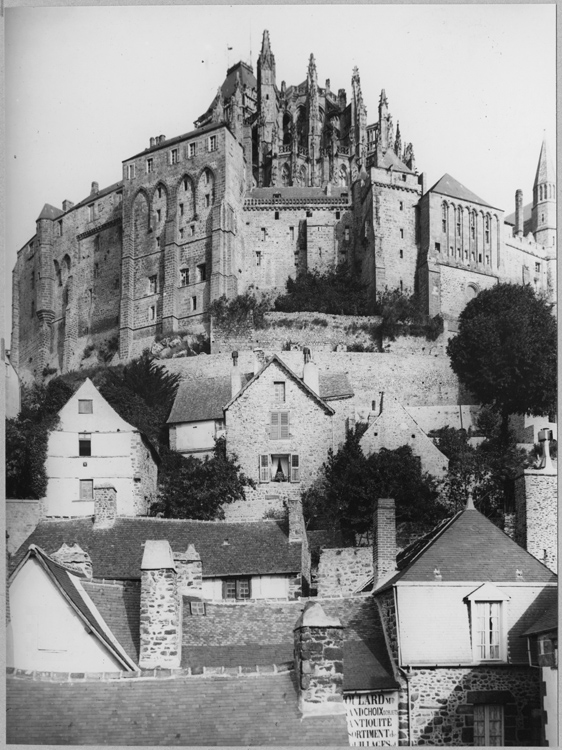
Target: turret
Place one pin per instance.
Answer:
(314, 125)
(384, 123)
(544, 200)
(48, 223)
(268, 110)
(359, 119)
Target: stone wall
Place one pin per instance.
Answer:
(105, 506)
(442, 703)
(22, 516)
(160, 620)
(387, 609)
(342, 571)
(536, 508)
(263, 501)
(145, 475)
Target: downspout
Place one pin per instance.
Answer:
(408, 674)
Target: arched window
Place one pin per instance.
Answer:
(472, 225)
(287, 129)
(444, 217)
(301, 128)
(342, 179)
(286, 175)
(459, 221)
(58, 273)
(206, 192)
(487, 229)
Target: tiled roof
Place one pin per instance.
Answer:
(99, 194)
(334, 385)
(182, 711)
(201, 400)
(261, 633)
(546, 620)
(119, 605)
(62, 578)
(49, 212)
(259, 548)
(447, 185)
(468, 547)
(247, 78)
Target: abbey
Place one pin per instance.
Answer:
(273, 179)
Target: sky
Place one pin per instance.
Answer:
(472, 86)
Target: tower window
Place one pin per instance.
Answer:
(192, 230)
(184, 276)
(158, 214)
(258, 258)
(213, 143)
(338, 214)
(444, 217)
(537, 267)
(174, 156)
(401, 234)
(152, 313)
(149, 165)
(153, 284)
(201, 272)
(193, 304)
(181, 209)
(192, 149)
(277, 214)
(59, 228)
(437, 247)
(207, 200)
(263, 234)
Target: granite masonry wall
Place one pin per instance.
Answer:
(342, 571)
(536, 507)
(145, 473)
(160, 619)
(105, 506)
(387, 609)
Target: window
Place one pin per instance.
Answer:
(279, 425)
(152, 284)
(92, 212)
(197, 607)
(346, 233)
(193, 304)
(192, 149)
(295, 477)
(309, 213)
(279, 388)
(401, 285)
(264, 468)
(459, 220)
(201, 272)
(487, 231)
(85, 406)
(131, 171)
(263, 232)
(292, 232)
(258, 258)
(152, 313)
(277, 215)
(537, 267)
(158, 214)
(437, 247)
(182, 231)
(119, 197)
(401, 234)
(59, 228)
(472, 225)
(85, 444)
(174, 156)
(207, 200)
(487, 630)
(86, 489)
(338, 214)
(401, 253)
(213, 143)
(96, 270)
(184, 276)
(192, 230)
(236, 588)
(181, 209)
(488, 725)
(401, 206)
(444, 217)
(149, 165)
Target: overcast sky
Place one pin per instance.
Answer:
(473, 87)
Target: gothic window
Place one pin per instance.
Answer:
(184, 276)
(286, 175)
(58, 273)
(287, 129)
(444, 217)
(342, 180)
(459, 221)
(472, 225)
(487, 229)
(207, 188)
(301, 128)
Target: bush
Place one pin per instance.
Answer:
(336, 292)
(245, 310)
(402, 315)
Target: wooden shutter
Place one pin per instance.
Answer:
(274, 426)
(295, 469)
(264, 468)
(284, 425)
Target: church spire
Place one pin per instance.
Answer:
(266, 58)
(544, 200)
(545, 169)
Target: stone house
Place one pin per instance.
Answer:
(92, 446)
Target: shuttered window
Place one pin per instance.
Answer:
(279, 425)
(264, 468)
(295, 468)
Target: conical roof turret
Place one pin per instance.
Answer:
(545, 167)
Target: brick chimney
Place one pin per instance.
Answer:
(105, 506)
(310, 372)
(190, 571)
(519, 213)
(67, 205)
(95, 188)
(235, 376)
(259, 359)
(160, 608)
(74, 558)
(319, 661)
(384, 539)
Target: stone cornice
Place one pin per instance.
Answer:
(99, 228)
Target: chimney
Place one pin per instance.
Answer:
(319, 661)
(161, 138)
(67, 205)
(545, 436)
(160, 608)
(519, 213)
(296, 520)
(384, 540)
(152, 142)
(74, 558)
(235, 376)
(190, 571)
(105, 506)
(95, 188)
(342, 98)
(310, 373)
(259, 359)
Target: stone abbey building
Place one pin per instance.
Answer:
(271, 180)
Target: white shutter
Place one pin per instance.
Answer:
(274, 426)
(284, 425)
(264, 468)
(295, 469)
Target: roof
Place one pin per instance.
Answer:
(297, 192)
(119, 605)
(447, 185)
(468, 547)
(49, 212)
(202, 400)
(334, 385)
(257, 548)
(390, 159)
(527, 215)
(177, 139)
(99, 194)
(275, 359)
(255, 710)
(247, 78)
(547, 619)
(261, 633)
(69, 586)
(545, 169)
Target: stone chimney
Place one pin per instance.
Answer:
(342, 98)
(190, 571)
(384, 539)
(296, 519)
(152, 142)
(235, 376)
(519, 213)
(67, 205)
(74, 558)
(95, 188)
(259, 359)
(319, 661)
(310, 372)
(160, 608)
(105, 506)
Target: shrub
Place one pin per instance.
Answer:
(240, 312)
(336, 292)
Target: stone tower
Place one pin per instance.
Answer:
(544, 200)
(268, 111)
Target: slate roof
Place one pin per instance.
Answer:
(547, 619)
(447, 185)
(390, 159)
(119, 605)
(257, 710)
(261, 633)
(49, 212)
(258, 548)
(247, 78)
(334, 385)
(468, 547)
(62, 578)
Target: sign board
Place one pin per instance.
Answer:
(372, 719)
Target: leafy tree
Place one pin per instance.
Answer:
(193, 488)
(240, 312)
(336, 292)
(505, 352)
(403, 314)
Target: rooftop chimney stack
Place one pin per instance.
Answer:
(105, 506)
(235, 376)
(545, 436)
(95, 188)
(310, 373)
(74, 558)
(160, 608)
(259, 359)
(384, 539)
(319, 662)
(67, 205)
(519, 213)
(152, 142)
(190, 571)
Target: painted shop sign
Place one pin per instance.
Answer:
(372, 719)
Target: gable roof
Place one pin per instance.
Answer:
(275, 359)
(119, 605)
(69, 585)
(447, 185)
(468, 547)
(201, 400)
(257, 548)
(334, 385)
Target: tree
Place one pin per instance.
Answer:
(193, 488)
(336, 292)
(505, 352)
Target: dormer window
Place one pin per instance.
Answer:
(236, 588)
(487, 617)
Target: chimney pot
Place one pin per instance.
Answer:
(310, 373)
(519, 213)
(95, 188)
(235, 376)
(67, 205)
(152, 142)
